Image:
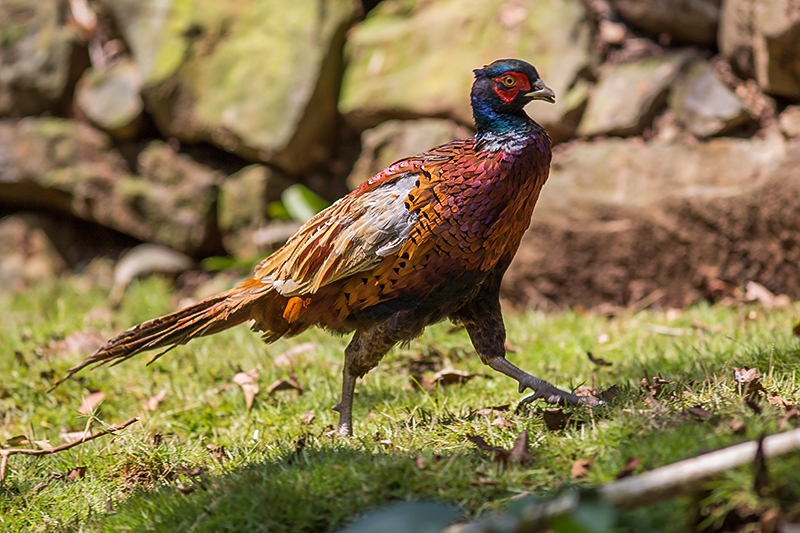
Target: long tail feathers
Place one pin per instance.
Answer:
(212, 315)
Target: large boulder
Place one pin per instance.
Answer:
(66, 167)
(705, 106)
(762, 39)
(415, 59)
(35, 47)
(260, 79)
(110, 97)
(684, 21)
(628, 95)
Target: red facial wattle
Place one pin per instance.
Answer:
(509, 93)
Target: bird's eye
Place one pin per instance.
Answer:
(509, 81)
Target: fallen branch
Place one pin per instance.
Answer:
(5, 454)
(662, 483)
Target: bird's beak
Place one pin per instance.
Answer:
(542, 92)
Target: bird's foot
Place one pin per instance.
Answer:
(552, 395)
(345, 426)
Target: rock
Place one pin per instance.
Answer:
(762, 39)
(111, 98)
(704, 105)
(628, 95)
(395, 139)
(177, 197)
(629, 172)
(260, 79)
(243, 200)
(673, 249)
(66, 167)
(789, 121)
(684, 21)
(26, 254)
(146, 259)
(403, 64)
(35, 48)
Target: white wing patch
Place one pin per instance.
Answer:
(377, 229)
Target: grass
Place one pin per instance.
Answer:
(202, 462)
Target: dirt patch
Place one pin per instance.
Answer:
(690, 249)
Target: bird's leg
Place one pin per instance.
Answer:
(488, 336)
(364, 352)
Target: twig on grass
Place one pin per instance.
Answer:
(662, 483)
(5, 454)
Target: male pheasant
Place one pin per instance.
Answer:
(428, 238)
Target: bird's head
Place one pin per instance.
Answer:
(507, 85)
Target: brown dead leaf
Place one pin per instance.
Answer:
(592, 394)
(779, 401)
(77, 473)
(248, 382)
(218, 452)
(152, 403)
(76, 343)
(519, 452)
(183, 489)
(500, 454)
(285, 359)
(599, 361)
(483, 483)
(450, 376)
(555, 418)
(285, 384)
(771, 520)
(43, 444)
(755, 292)
(748, 380)
(699, 413)
(655, 385)
(308, 417)
(492, 411)
(796, 329)
(16, 441)
(502, 423)
(420, 462)
(737, 426)
(91, 402)
(580, 468)
(790, 414)
(629, 467)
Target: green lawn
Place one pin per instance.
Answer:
(200, 461)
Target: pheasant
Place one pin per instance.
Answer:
(428, 238)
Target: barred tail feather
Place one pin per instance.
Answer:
(209, 316)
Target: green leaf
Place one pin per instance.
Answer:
(301, 203)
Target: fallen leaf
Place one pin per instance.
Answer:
(217, 451)
(655, 385)
(580, 468)
(77, 343)
(43, 444)
(555, 418)
(519, 452)
(756, 292)
(308, 417)
(502, 423)
(483, 483)
(449, 376)
(699, 412)
(20, 358)
(17, 440)
(779, 401)
(599, 361)
(420, 462)
(796, 329)
(748, 382)
(590, 393)
(771, 520)
(492, 411)
(285, 384)
(77, 473)
(285, 359)
(500, 454)
(790, 414)
(91, 402)
(737, 426)
(247, 381)
(152, 403)
(629, 467)
(183, 489)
